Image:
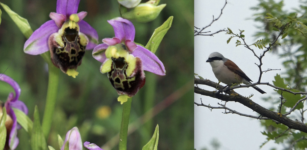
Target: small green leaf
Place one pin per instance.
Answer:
(23, 120)
(229, 31)
(3, 129)
(60, 141)
(279, 82)
(51, 148)
(229, 39)
(38, 141)
(153, 143)
(22, 23)
(158, 35)
(284, 35)
(238, 43)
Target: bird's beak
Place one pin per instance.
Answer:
(208, 60)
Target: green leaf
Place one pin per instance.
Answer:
(229, 39)
(238, 43)
(153, 143)
(279, 82)
(22, 23)
(268, 123)
(23, 120)
(158, 35)
(3, 129)
(229, 31)
(284, 35)
(60, 141)
(291, 99)
(51, 148)
(38, 141)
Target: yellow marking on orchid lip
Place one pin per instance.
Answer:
(74, 18)
(131, 61)
(103, 112)
(83, 39)
(106, 67)
(72, 72)
(122, 99)
(58, 39)
(68, 24)
(111, 50)
(116, 51)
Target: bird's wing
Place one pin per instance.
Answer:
(234, 68)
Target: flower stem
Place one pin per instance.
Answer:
(124, 126)
(51, 98)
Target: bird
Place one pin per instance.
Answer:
(226, 71)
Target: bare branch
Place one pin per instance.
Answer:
(199, 31)
(270, 70)
(205, 82)
(235, 97)
(229, 110)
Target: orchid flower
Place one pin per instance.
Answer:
(11, 121)
(73, 138)
(66, 36)
(124, 61)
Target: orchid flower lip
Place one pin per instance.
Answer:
(66, 10)
(130, 77)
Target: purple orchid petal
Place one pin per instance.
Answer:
(72, 7)
(59, 19)
(14, 84)
(38, 41)
(131, 45)
(82, 15)
(61, 6)
(74, 138)
(150, 61)
(123, 28)
(111, 41)
(19, 105)
(91, 34)
(91, 146)
(67, 7)
(13, 140)
(98, 52)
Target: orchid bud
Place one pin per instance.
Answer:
(129, 3)
(147, 12)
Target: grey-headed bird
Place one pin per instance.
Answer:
(228, 72)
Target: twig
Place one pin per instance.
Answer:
(293, 108)
(229, 110)
(270, 70)
(199, 31)
(300, 139)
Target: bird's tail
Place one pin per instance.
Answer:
(258, 89)
(255, 87)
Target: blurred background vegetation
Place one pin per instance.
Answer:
(89, 101)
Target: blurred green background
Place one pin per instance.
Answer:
(89, 101)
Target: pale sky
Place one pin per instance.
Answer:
(232, 131)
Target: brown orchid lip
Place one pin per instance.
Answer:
(119, 62)
(70, 34)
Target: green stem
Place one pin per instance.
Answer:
(150, 87)
(124, 126)
(51, 98)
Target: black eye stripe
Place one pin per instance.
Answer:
(215, 58)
